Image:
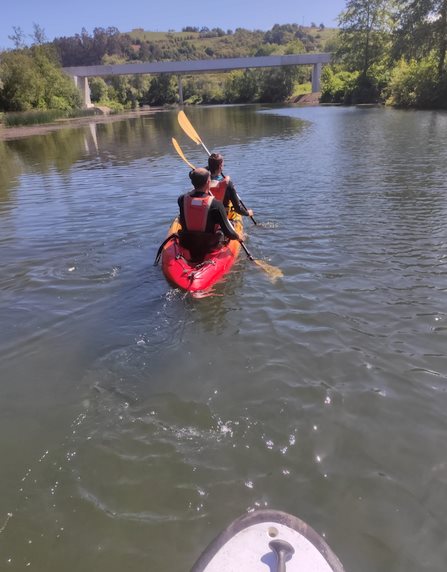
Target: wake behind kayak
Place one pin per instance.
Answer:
(268, 541)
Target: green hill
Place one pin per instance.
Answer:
(217, 43)
(189, 44)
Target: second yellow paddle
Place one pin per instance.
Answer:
(187, 127)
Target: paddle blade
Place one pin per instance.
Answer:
(180, 152)
(273, 272)
(185, 124)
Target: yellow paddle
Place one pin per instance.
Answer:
(180, 152)
(185, 124)
(273, 272)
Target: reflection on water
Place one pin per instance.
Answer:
(133, 419)
(147, 136)
(10, 170)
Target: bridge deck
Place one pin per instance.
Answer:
(198, 66)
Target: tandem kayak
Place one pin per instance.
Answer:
(182, 273)
(268, 540)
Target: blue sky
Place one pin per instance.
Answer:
(68, 17)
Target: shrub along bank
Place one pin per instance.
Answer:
(390, 51)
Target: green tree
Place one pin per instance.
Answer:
(163, 89)
(421, 29)
(415, 83)
(365, 28)
(241, 87)
(98, 89)
(266, 50)
(59, 91)
(22, 84)
(338, 86)
(121, 88)
(31, 79)
(277, 84)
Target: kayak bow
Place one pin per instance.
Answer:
(268, 540)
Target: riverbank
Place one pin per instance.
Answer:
(307, 99)
(9, 133)
(20, 132)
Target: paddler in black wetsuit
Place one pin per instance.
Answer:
(222, 187)
(203, 218)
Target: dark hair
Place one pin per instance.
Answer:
(214, 161)
(199, 177)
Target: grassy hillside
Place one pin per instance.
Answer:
(218, 43)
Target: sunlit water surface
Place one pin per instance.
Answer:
(136, 423)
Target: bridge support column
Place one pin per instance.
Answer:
(180, 89)
(316, 77)
(82, 84)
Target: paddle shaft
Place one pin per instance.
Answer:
(242, 203)
(247, 252)
(205, 147)
(166, 240)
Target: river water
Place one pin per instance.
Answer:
(135, 423)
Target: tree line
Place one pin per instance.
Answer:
(31, 78)
(390, 51)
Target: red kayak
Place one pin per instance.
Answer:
(182, 273)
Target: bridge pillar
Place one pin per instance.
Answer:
(180, 89)
(316, 77)
(82, 84)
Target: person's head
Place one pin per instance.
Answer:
(199, 178)
(215, 163)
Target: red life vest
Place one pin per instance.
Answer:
(218, 188)
(196, 210)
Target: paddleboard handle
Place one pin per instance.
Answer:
(284, 552)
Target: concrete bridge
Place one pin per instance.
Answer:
(82, 73)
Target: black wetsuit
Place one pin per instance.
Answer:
(231, 195)
(199, 243)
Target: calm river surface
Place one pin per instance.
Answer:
(135, 424)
